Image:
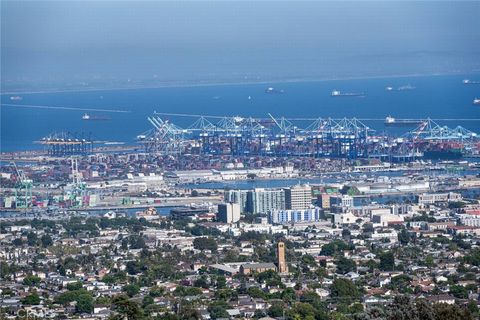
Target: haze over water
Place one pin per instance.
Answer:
(61, 44)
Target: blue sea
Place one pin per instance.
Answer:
(442, 96)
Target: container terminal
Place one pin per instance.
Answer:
(79, 172)
(347, 138)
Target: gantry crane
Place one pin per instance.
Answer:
(77, 190)
(23, 189)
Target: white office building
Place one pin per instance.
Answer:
(293, 216)
(298, 197)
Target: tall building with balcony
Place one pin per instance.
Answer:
(266, 200)
(258, 200)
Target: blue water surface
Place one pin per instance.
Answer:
(435, 96)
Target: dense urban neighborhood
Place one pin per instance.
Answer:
(304, 251)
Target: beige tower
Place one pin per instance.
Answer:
(282, 264)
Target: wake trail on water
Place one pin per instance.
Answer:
(63, 108)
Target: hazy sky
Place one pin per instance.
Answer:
(197, 40)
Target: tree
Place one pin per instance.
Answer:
(218, 311)
(46, 240)
(187, 291)
(288, 295)
(269, 277)
(344, 289)
(387, 261)
(127, 308)
(472, 307)
(31, 299)
(221, 282)
(134, 267)
(74, 286)
(276, 310)
(474, 257)
(374, 313)
(147, 300)
(404, 237)
(137, 242)
(333, 247)
(402, 308)
(31, 280)
(345, 265)
(429, 261)
(313, 299)
(5, 270)
(443, 311)
(405, 308)
(459, 291)
(131, 289)
(156, 291)
(84, 303)
(32, 239)
(401, 282)
(301, 310)
(201, 283)
(205, 243)
(255, 292)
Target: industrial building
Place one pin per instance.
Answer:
(432, 198)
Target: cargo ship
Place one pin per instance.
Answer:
(406, 87)
(86, 116)
(401, 88)
(273, 90)
(391, 122)
(336, 93)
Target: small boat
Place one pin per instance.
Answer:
(476, 101)
(16, 98)
(336, 93)
(273, 90)
(406, 87)
(389, 88)
(86, 116)
(467, 81)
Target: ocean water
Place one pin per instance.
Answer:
(435, 96)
